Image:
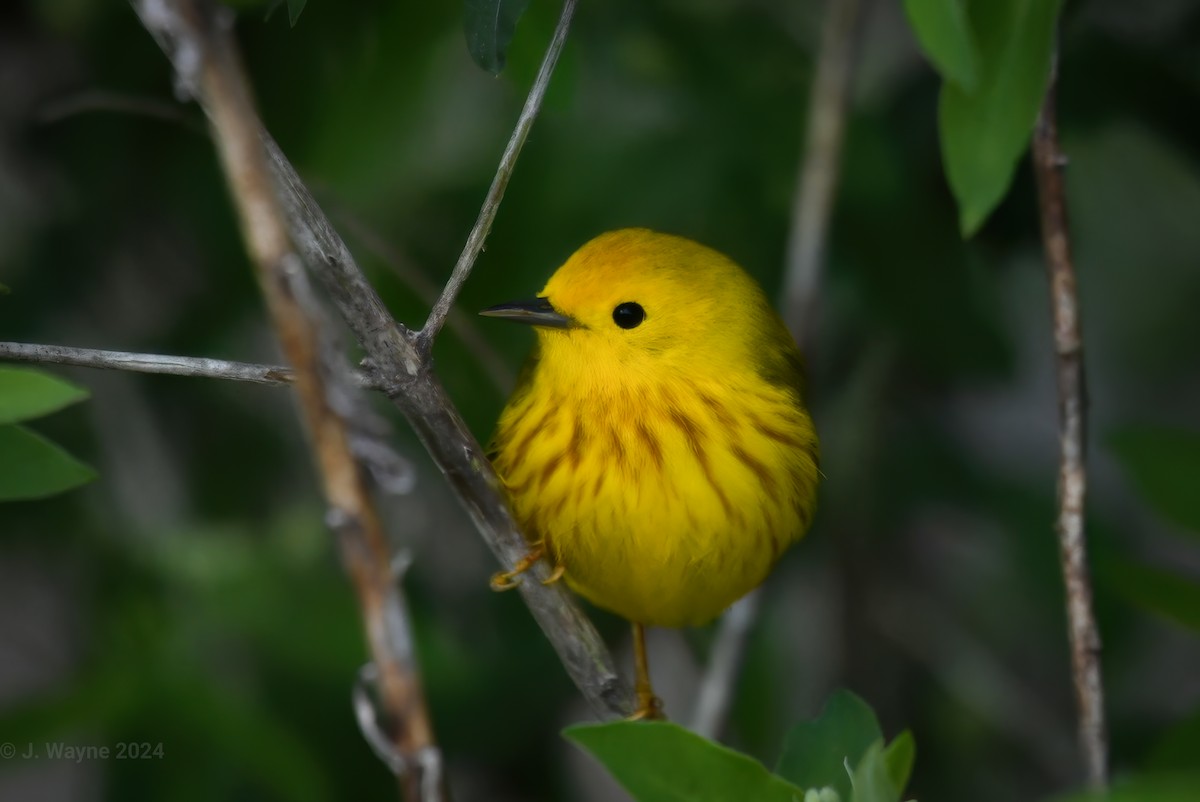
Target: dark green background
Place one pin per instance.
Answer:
(191, 597)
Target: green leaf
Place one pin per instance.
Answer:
(872, 780)
(1166, 593)
(33, 467)
(26, 394)
(295, 7)
(900, 755)
(1163, 464)
(941, 28)
(816, 753)
(1146, 788)
(657, 761)
(490, 25)
(985, 132)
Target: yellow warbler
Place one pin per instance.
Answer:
(657, 450)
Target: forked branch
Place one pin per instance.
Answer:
(196, 36)
(400, 366)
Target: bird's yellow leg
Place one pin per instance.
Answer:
(507, 580)
(649, 706)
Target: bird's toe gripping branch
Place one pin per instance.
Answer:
(507, 580)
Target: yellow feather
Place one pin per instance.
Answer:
(665, 466)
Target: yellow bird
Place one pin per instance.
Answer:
(657, 451)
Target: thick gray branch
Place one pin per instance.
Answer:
(403, 370)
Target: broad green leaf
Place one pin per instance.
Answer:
(33, 467)
(1164, 465)
(984, 133)
(871, 779)
(490, 25)
(26, 394)
(657, 761)
(1167, 593)
(941, 28)
(900, 755)
(815, 753)
(1146, 788)
(295, 7)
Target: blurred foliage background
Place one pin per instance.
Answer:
(190, 597)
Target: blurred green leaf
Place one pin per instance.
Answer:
(295, 7)
(900, 755)
(33, 467)
(984, 133)
(1163, 464)
(1146, 788)
(26, 393)
(872, 777)
(1166, 593)
(941, 28)
(490, 25)
(657, 761)
(816, 753)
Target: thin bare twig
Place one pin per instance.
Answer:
(724, 665)
(483, 224)
(816, 185)
(1048, 162)
(196, 37)
(148, 363)
(101, 100)
(462, 324)
(816, 182)
(166, 364)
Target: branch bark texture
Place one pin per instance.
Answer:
(401, 366)
(195, 34)
(274, 375)
(1048, 163)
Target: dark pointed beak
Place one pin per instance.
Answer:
(535, 312)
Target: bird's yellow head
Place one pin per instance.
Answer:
(638, 301)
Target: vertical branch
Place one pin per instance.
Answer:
(816, 182)
(724, 665)
(1048, 162)
(195, 34)
(812, 205)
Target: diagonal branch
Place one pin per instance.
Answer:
(403, 371)
(196, 35)
(1048, 162)
(483, 224)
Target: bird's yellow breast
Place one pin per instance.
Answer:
(665, 494)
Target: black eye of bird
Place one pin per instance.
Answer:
(629, 315)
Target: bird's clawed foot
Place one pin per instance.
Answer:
(507, 580)
(649, 708)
